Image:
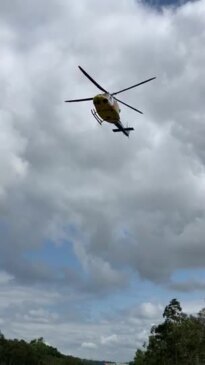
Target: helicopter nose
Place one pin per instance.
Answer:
(96, 100)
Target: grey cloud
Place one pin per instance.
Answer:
(148, 185)
(136, 204)
(187, 286)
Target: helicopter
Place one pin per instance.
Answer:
(106, 105)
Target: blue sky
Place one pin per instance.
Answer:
(61, 256)
(99, 232)
(55, 255)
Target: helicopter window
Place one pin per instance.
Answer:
(97, 102)
(105, 101)
(111, 99)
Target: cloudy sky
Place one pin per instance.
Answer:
(99, 232)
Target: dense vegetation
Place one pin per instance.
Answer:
(179, 340)
(19, 352)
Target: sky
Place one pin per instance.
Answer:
(98, 231)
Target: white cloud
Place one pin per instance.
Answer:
(89, 345)
(5, 278)
(109, 339)
(149, 310)
(128, 206)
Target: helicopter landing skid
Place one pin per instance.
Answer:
(96, 116)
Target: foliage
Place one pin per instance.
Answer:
(179, 340)
(20, 352)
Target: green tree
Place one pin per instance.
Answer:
(173, 312)
(178, 340)
(139, 357)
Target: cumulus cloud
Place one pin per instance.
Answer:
(128, 207)
(89, 345)
(188, 286)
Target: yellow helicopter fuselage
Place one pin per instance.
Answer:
(107, 108)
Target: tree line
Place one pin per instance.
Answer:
(178, 340)
(36, 352)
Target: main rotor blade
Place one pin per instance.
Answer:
(129, 106)
(131, 87)
(92, 80)
(76, 100)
